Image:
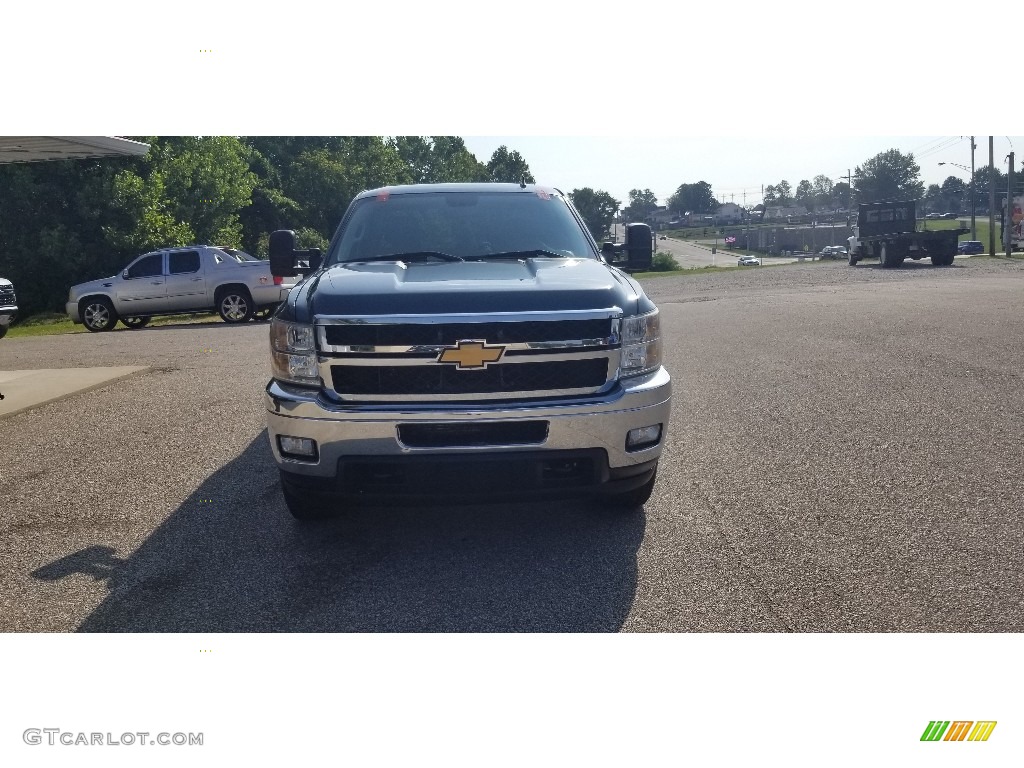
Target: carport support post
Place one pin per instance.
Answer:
(1008, 211)
(991, 199)
(973, 199)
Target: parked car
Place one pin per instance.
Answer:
(173, 281)
(970, 246)
(934, 216)
(833, 252)
(8, 305)
(748, 261)
(949, 215)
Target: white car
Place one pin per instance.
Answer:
(8, 306)
(748, 261)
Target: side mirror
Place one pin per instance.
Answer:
(639, 247)
(282, 253)
(286, 261)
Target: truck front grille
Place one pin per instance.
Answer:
(448, 333)
(435, 379)
(532, 355)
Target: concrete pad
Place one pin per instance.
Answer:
(27, 389)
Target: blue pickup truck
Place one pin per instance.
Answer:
(465, 340)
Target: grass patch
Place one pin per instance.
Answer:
(54, 323)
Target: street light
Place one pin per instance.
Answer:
(973, 235)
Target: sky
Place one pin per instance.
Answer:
(653, 98)
(736, 167)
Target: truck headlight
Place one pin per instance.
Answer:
(293, 353)
(641, 345)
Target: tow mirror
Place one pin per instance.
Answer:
(639, 247)
(286, 261)
(636, 254)
(282, 253)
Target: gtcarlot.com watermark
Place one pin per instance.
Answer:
(55, 736)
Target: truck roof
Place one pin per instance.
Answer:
(486, 186)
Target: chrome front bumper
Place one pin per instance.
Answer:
(359, 430)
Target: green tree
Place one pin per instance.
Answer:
(783, 193)
(642, 203)
(439, 159)
(141, 215)
(889, 175)
(323, 181)
(510, 167)
(841, 195)
(693, 198)
(597, 208)
(821, 190)
(805, 194)
(954, 191)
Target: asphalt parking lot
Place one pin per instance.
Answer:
(845, 455)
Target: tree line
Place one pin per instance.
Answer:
(65, 222)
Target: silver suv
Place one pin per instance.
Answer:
(8, 306)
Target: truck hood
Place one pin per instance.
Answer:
(94, 285)
(530, 285)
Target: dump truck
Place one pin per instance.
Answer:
(888, 232)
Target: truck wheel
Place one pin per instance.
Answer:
(307, 505)
(3, 331)
(887, 255)
(943, 260)
(235, 305)
(98, 314)
(136, 322)
(632, 499)
(852, 260)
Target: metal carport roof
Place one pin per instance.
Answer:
(27, 149)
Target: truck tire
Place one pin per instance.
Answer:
(943, 255)
(98, 314)
(3, 331)
(135, 322)
(234, 304)
(630, 500)
(889, 255)
(852, 260)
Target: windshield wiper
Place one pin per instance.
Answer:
(521, 255)
(411, 256)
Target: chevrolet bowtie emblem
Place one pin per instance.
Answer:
(471, 354)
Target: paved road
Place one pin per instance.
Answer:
(692, 255)
(845, 456)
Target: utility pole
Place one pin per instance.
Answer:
(1008, 211)
(973, 234)
(991, 198)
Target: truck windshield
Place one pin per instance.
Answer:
(467, 225)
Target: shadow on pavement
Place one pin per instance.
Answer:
(231, 559)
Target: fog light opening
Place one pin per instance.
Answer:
(297, 447)
(643, 437)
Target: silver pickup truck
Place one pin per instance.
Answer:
(196, 278)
